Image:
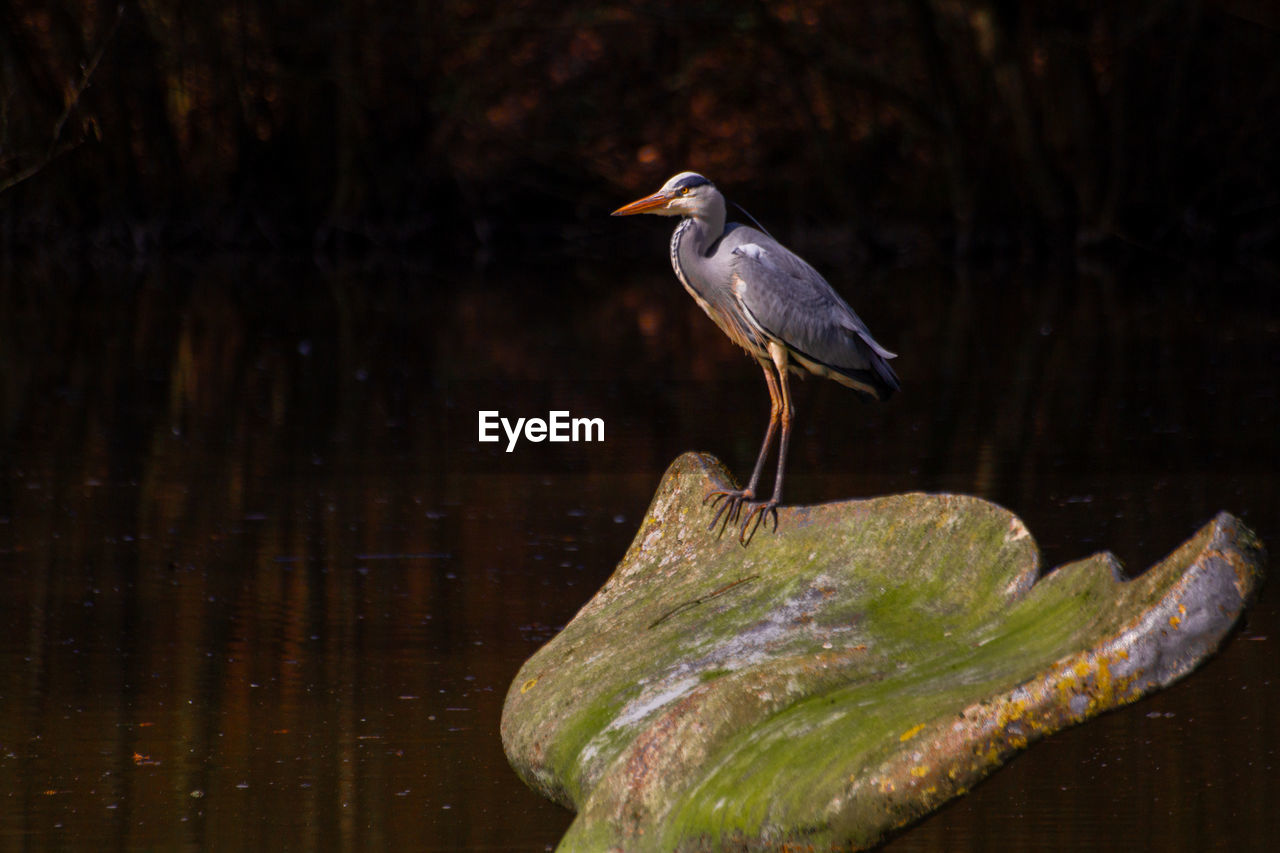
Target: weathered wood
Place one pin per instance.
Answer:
(846, 676)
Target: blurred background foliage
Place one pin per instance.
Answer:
(463, 127)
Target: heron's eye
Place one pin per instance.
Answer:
(685, 191)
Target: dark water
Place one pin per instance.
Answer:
(263, 588)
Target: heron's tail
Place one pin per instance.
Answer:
(877, 381)
(888, 379)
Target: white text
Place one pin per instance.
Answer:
(557, 427)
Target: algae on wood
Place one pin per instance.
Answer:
(845, 676)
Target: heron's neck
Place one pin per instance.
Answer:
(693, 239)
(700, 232)
(711, 222)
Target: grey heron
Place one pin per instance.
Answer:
(770, 302)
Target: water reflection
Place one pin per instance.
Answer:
(265, 589)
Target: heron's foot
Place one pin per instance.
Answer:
(757, 514)
(730, 501)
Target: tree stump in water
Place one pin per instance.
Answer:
(846, 676)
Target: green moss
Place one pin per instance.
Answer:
(712, 674)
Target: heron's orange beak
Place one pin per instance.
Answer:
(644, 205)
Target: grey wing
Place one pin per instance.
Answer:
(790, 300)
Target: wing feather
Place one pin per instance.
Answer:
(791, 301)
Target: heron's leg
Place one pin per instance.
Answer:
(775, 412)
(760, 511)
(733, 499)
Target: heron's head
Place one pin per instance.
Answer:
(686, 194)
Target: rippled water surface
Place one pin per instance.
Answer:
(264, 589)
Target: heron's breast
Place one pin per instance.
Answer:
(729, 314)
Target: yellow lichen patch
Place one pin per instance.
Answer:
(528, 685)
(1174, 621)
(1104, 682)
(910, 733)
(920, 770)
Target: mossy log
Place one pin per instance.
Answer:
(839, 679)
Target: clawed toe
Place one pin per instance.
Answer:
(756, 514)
(730, 511)
(731, 501)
